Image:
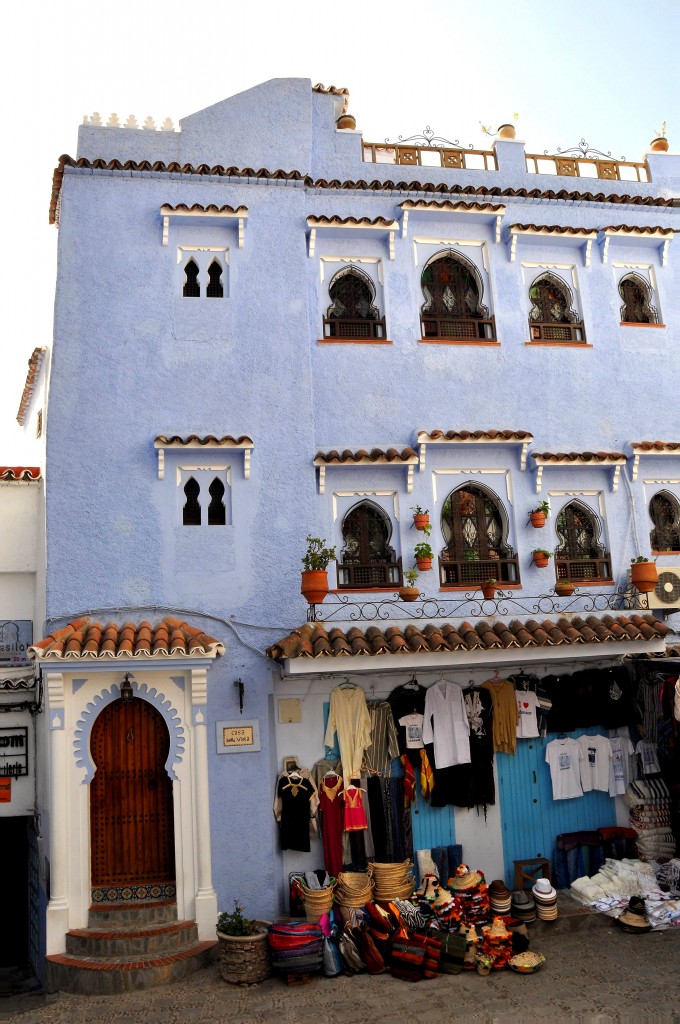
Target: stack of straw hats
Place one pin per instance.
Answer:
(633, 918)
(391, 881)
(472, 892)
(545, 897)
(500, 898)
(317, 902)
(522, 906)
(353, 889)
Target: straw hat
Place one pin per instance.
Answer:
(498, 929)
(633, 918)
(498, 889)
(465, 878)
(543, 891)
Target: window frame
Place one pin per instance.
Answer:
(646, 273)
(347, 571)
(472, 253)
(565, 274)
(661, 492)
(203, 256)
(330, 266)
(593, 502)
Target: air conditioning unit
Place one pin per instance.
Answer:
(666, 594)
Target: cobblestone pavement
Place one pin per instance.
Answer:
(595, 976)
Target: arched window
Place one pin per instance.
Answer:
(452, 288)
(215, 289)
(580, 555)
(664, 510)
(366, 558)
(636, 295)
(552, 316)
(217, 515)
(192, 288)
(191, 514)
(475, 528)
(353, 312)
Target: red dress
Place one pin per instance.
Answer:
(330, 809)
(355, 816)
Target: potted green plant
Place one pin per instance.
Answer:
(409, 592)
(424, 555)
(564, 588)
(244, 947)
(421, 519)
(643, 574)
(489, 588)
(541, 556)
(659, 143)
(314, 586)
(538, 515)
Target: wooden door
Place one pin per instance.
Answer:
(131, 812)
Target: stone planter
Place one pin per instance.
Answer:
(244, 959)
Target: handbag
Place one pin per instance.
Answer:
(332, 963)
(452, 949)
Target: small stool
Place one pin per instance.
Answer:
(530, 870)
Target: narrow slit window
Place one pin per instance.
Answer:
(192, 288)
(215, 288)
(217, 515)
(191, 514)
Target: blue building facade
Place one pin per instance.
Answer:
(266, 328)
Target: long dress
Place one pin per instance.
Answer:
(330, 809)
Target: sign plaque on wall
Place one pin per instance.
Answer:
(16, 636)
(238, 737)
(5, 791)
(13, 752)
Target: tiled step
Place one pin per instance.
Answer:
(164, 938)
(123, 916)
(108, 975)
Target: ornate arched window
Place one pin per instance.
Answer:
(192, 288)
(366, 558)
(216, 509)
(452, 288)
(580, 554)
(191, 513)
(353, 312)
(552, 316)
(664, 510)
(215, 289)
(475, 528)
(637, 307)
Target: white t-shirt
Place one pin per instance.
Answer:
(446, 723)
(564, 757)
(597, 753)
(414, 731)
(527, 725)
(647, 754)
(619, 766)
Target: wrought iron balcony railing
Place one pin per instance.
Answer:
(353, 327)
(448, 328)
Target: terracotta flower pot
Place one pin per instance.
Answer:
(314, 585)
(644, 576)
(537, 519)
(488, 593)
(424, 564)
(347, 121)
(409, 593)
(540, 560)
(659, 145)
(421, 520)
(506, 131)
(564, 589)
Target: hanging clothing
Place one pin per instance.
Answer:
(355, 816)
(323, 767)
(648, 759)
(527, 706)
(597, 755)
(446, 724)
(564, 757)
(620, 768)
(384, 746)
(331, 815)
(349, 717)
(470, 785)
(413, 725)
(408, 699)
(295, 807)
(505, 714)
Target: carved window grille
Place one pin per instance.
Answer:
(580, 555)
(664, 510)
(353, 312)
(474, 525)
(366, 558)
(452, 288)
(552, 316)
(637, 307)
(191, 513)
(215, 289)
(192, 288)
(217, 514)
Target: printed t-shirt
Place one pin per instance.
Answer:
(414, 731)
(647, 754)
(527, 726)
(597, 752)
(619, 766)
(564, 757)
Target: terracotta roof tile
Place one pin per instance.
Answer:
(578, 456)
(322, 221)
(199, 208)
(447, 205)
(34, 364)
(333, 90)
(208, 440)
(475, 435)
(375, 455)
(84, 638)
(19, 472)
(655, 446)
(627, 229)
(313, 640)
(553, 229)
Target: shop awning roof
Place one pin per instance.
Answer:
(84, 638)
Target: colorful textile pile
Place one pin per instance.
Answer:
(650, 816)
(473, 894)
(296, 947)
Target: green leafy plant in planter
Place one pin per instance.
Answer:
(489, 588)
(409, 592)
(421, 519)
(643, 574)
(565, 588)
(423, 555)
(541, 556)
(314, 586)
(244, 947)
(233, 922)
(538, 515)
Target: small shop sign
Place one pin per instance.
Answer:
(238, 736)
(5, 791)
(13, 752)
(16, 636)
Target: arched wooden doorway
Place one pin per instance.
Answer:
(131, 809)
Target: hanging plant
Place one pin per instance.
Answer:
(423, 555)
(538, 515)
(644, 574)
(421, 519)
(488, 588)
(541, 556)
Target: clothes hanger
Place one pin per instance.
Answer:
(412, 684)
(347, 684)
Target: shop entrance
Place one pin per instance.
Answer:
(14, 891)
(131, 806)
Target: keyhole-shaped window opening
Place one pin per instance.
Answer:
(451, 287)
(191, 514)
(551, 301)
(215, 289)
(217, 515)
(352, 296)
(366, 558)
(664, 509)
(636, 295)
(192, 288)
(580, 553)
(475, 526)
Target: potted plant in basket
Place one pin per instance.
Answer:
(538, 515)
(244, 947)
(421, 519)
(541, 556)
(489, 588)
(564, 588)
(314, 586)
(424, 555)
(409, 592)
(643, 574)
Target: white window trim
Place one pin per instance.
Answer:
(186, 472)
(658, 241)
(474, 243)
(571, 493)
(418, 209)
(394, 495)
(543, 236)
(611, 464)
(368, 260)
(223, 218)
(472, 472)
(646, 269)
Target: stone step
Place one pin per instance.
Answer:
(123, 916)
(108, 976)
(165, 938)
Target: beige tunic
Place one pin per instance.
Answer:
(505, 715)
